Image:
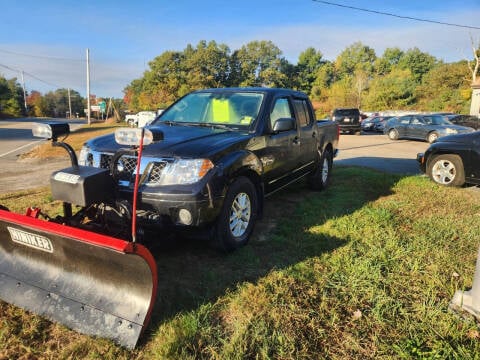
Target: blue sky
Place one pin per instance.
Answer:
(48, 39)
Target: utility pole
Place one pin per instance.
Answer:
(24, 93)
(88, 87)
(69, 104)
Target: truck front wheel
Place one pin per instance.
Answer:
(237, 218)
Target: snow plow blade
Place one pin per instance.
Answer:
(94, 284)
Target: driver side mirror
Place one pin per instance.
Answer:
(284, 124)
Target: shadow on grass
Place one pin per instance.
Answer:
(191, 274)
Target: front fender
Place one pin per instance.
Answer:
(239, 162)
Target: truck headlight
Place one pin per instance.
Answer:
(185, 171)
(85, 157)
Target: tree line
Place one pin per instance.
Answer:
(398, 79)
(56, 103)
(52, 104)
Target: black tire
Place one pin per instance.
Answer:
(237, 217)
(446, 170)
(393, 134)
(320, 177)
(432, 137)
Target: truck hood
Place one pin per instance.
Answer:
(465, 138)
(179, 141)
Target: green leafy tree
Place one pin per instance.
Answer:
(324, 78)
(395, 90)
(258, 63)
(11, 97)
(390, 58)
(163, 83)
(56, 103)
(207, 65)
(355, 57)
(341, 94)
(418, 62)
(309, 63)
(175, 73)
(446, 88)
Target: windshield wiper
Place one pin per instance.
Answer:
(199, 124)
(214, 126)
(173, 123)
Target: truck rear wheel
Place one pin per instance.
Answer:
(320, 177)
(237, 218)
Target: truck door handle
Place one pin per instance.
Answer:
(314, 134)
(296, 140)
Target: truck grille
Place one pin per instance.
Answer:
(128, 166)
(105, 161)
(156, 172)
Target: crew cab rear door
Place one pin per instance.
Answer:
(306, 145)
(280, 157)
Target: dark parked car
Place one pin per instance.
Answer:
(347, 119)
(375, 123)
(379, 125)
(453, 160)
(422, 127)
(367, 124)
(465, 120)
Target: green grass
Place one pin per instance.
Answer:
(364, 270)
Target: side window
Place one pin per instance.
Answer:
(427, 120)
(301, 109)
(405, 120)
(281, 109)
(416, 121)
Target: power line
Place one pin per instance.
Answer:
(395, 15)
(40, 56)
(45, 82)
(31, 75)
(9, 68)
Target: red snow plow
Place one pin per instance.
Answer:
(79, 269)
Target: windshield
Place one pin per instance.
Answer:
(236, 109)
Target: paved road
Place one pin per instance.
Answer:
(16, 135)
(16, 138)
(379, 152)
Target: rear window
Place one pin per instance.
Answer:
(346, 112)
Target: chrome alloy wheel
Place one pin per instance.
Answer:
(240, 214)
(443, 172)
(325, 170)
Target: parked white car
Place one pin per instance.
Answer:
(140, 119)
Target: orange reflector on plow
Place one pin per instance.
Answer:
(91, 283)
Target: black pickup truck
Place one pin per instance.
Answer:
(222, 151)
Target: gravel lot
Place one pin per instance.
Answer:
(379, 152)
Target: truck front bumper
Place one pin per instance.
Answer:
(422, 162)
(192, 205)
